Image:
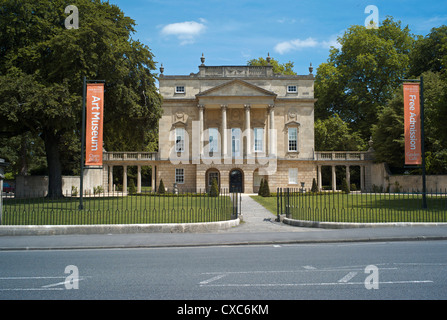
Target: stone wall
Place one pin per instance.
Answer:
(27, 186)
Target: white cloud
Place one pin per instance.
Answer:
(186, 31)
(298, 44)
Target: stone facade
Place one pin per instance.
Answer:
(237, 124)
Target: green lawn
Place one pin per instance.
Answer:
(117, 210)
(356, 207)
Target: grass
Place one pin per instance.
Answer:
(356, 207)
(117, 210)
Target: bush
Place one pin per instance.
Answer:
(132, 188)
(345, 186)
(161, 187)
(98, 190)
(264, 190)
(314, 186)
(261, 187)
(214, 190)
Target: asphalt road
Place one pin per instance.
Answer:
(369, 270)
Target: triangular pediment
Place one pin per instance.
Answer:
(236, 88)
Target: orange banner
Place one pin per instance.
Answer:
(412, 114)
(94, 124)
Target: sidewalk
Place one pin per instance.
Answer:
(256, 218)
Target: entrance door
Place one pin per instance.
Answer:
(236, 181)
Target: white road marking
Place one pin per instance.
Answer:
(311, 284)
(213, 279)
(348, 277)
(309, 268)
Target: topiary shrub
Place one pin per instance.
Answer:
(214, 190)
(161, 187)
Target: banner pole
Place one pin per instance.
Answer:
(424, 181)
(81, 182)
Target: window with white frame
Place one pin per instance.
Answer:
(180, 89)
(293, 176)
(180, 176)
(235, 142)
(179, 139)
(259, 139)
(213, 139)
(292, 89)
(293, 139)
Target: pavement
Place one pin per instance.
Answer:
(257, 226)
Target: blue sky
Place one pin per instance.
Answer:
(230, 32)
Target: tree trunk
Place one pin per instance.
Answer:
(52, 142)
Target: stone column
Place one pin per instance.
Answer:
(110, 178)
(362, 178)
(348, 177)
(319, 177)
(272, 150)
(224, 146)
(153, 187)
(139, 179)
(124, 179)
(247, 129)
(334, 179)
(201, 126)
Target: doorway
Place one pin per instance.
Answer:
(236, 181)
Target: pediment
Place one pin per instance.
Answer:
(236, 88)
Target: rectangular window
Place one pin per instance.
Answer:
(259, 139)
(179, 139)
(235, 142)
(293, 176)
(213, 139)
(292, 89)
(293, 139)
(179, 175)
(180, 89)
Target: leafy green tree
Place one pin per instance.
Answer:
(280, 68)
(333, 134)
(362, 75)
(430, 53)
(42, 65)
(388, 133)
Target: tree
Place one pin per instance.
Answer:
(42, 65)
(388, 133)
(362, 75)
(280, 68)
(429, 53)
(333, 134)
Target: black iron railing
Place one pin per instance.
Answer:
(363, 207)
(121, 208)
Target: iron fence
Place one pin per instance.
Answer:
(121, 208)
(361, 207)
